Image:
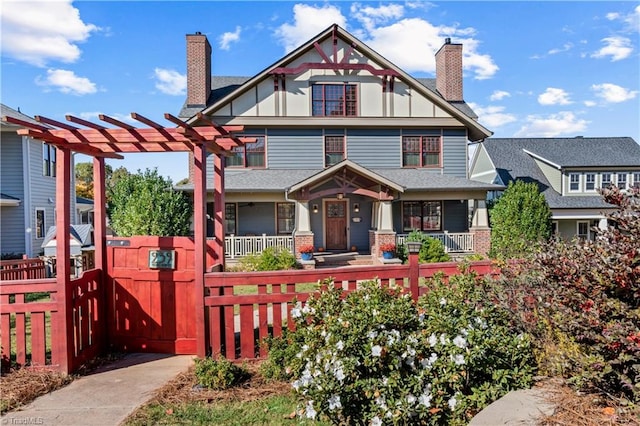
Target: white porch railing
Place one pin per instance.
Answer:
(235, 246)
(453, 242)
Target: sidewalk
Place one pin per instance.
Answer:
(105, 397)
(517, 408)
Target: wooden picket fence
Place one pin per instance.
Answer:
(22, 269)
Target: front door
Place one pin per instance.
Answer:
(336, 225)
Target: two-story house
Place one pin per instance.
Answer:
(28, 188)
(568, 171)
(350, 151)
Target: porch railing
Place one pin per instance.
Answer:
(453, 242)
(235, 246)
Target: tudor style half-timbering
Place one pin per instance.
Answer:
(350, 150)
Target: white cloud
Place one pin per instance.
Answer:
(410, 43)
(563, 123)
(37, 32)
(492, 116)
(554, 96)
(590, 103)
(499, 95)
(631, 19)
(616, 47)
(94, 116)
(229, 37)
(612, 93)
(170, 82)
(66, 81)
(565, 47)
(308, 22)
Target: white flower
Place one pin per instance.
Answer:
(339, 374)
(310, 411)
(296, 311)
(443, 339)
(452, 403)
(308, 309)
(334, 403)
(433, 340)
(458, 359)
(427, 363)
(411, 399)
(375, 312)
(425, 399)
(460, 342)
(376, 421)
(340, 345)
(443, 301)
(376, 350)
(381, 402)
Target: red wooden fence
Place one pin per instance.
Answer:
(237, 321)
(22, 269)
(30, 333)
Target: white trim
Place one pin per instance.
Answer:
(588, 234)
(579, 175)
(595, 182)
(44, 222)
(536, 156)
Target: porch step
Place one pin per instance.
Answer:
(334, 260)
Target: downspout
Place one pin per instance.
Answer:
(287, 199)
(26, 191)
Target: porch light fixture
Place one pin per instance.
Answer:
(340, 196)
(414, 246)
(315, 208)
(356, 208)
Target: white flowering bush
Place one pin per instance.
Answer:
(375, 357)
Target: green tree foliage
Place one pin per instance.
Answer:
(520, 219)
(431, 249)
(146, 204)
(84, 178)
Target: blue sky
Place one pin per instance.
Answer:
(531, 68)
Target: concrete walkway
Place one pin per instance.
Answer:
(521, 407)
(105, 397)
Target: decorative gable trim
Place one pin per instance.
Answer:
(538, 157)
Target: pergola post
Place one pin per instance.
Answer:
(200, 241)
(99, 215)
(63, 332)
(218, 209)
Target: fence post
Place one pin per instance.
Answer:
(414, 268)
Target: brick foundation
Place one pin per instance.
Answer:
(302, 240)
(481, 240)
(380, 238)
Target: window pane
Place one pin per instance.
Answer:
(334, 149)
(255, 153)
(235, 159)
(411, 215)
(431, 218)
(286, 218)
(590, 182)
(40, 223)
(410, 160)
(230, 218)
(622, 181)
(574, 182)
(430, 159)
(606, 180)
(46, 165)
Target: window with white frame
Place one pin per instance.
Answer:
(40, 223)
(622, 181)
(606, 180)
(636, 180)
(574, 182)
(582, 231)
(230, 218)
(590, 182)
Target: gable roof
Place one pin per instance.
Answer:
(461, 112)
(80, 233)
(512, 159)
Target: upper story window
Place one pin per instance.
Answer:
(606, 180)
(286, 213)
(333, 150)
(622, 181)
(421, 215)
(48, 160)
(590, 182)
(574, 182)
(636, 179)
(334, 100)
(421, 151)
(249, 155)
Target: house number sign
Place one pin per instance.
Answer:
(162, 259)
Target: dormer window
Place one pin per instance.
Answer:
(636, 179)
(574, 182)
(622, 181)
(590, 182)
(606, 180)
(334, 100)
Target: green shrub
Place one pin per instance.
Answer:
(219, 374)
(282, 363)
(271, 259)
(431, 250)
(374, 356)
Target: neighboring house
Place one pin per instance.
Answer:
(351, 150)
(28, 187)
(568, 171)
(81, 248)
(84, 211)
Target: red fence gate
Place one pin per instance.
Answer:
(150, 290)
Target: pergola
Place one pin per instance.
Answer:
(100, 142)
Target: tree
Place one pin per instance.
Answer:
(520, 219)
(84, 178)
(145, 203)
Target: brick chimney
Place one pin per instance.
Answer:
(449, 71)
(198, 69)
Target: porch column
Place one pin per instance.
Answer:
(200, 241)
(385, 233)
(303, 219)
(480, 228)
(63, 334)
(385, 216)
(603, 224)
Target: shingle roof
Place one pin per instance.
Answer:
(82, 233)
(512, 162)
(270, 180)
(10, 112)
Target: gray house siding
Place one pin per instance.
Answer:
(455, 216)
(43, 193)
(454, 152)
(256, 219)
(359, 231)
(12, 226)
(295, 149)
(374, 147)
